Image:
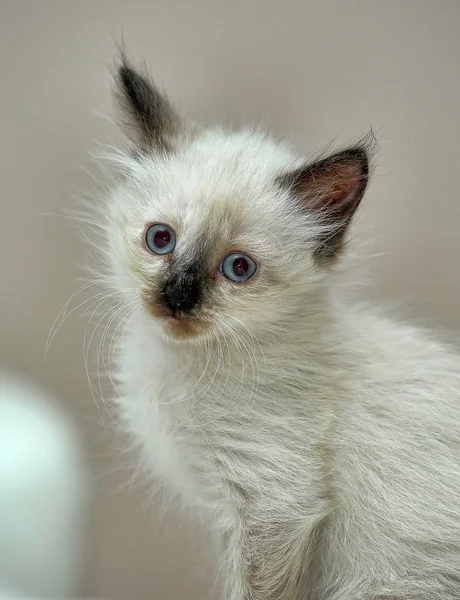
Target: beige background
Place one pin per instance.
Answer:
(312, 71)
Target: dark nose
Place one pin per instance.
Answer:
(180, 297)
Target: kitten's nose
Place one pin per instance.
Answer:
(179, 298)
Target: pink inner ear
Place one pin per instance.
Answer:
(335, 186)
(342, 190)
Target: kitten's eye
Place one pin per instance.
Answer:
(238, 267)
(160, 239)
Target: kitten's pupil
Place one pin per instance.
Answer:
(162, 238)
(240, 266)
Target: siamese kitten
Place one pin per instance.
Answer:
(320, 442)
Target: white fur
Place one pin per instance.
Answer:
(319, 441)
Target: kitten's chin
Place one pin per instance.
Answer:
(178, 328)
(182, 330)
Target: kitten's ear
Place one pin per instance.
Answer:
(331, 189)
(145, 114)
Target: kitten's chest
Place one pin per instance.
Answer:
(207, 425)
(161, 406)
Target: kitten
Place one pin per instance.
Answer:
(320, 442)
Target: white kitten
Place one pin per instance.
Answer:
(320, 442)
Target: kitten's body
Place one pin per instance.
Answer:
(320, 443)
(348, 438)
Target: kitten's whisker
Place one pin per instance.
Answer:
(86, 346)
(199, 395)
(255, 367)
(78, 217)
(255, 364)
(100, 353)
(228, 408)
(253, 336)
(252, 357)
(129, 319)
(217, 332)
(189, 397)
(108, 314)
(62, 312)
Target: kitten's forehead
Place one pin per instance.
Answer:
(219, 179)
(246, 152)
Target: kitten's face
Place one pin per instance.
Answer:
(215, 232)
(207, 239)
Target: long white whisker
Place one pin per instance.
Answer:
(127, 320)
(228, 408)
(254, 364)
(62, 313)
(124, 306)
(86, 346)
(249, 332)
(199, 392)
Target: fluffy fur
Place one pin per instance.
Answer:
(320, 442)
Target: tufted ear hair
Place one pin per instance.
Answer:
(331, 189)
(145, 113)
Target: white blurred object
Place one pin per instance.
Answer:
(43, 495)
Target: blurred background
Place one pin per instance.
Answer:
(312, 71)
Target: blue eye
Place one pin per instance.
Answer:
(238, 267)
(160, 239)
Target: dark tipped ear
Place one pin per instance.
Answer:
(331, 189)
(145, 114)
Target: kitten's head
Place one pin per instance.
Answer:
(217, 231)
